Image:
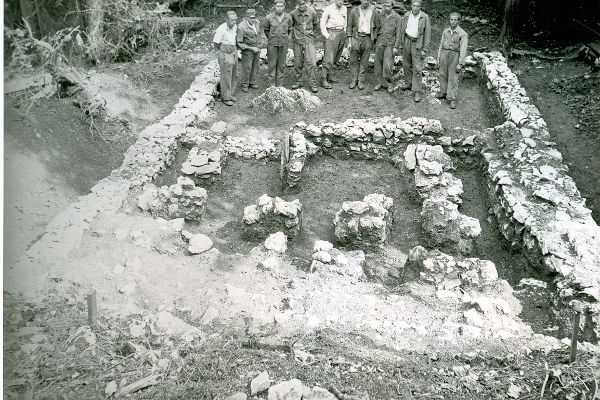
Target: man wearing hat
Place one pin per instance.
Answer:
(278, 26)
(248, 41)
(388, 43)
(451, 57)
(415, 31)
(225, 43)
(361, 33)
(305, 24)
(333, 27)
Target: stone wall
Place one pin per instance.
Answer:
(538, 206)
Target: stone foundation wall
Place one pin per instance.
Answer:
(538, 206)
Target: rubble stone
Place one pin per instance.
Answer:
(287, 390)
(203, 163)
(260, 383)
(276, 242)
(444, 225)
(199, 243)
(180, 200)
(272, 215)
(277, 99)
(366, 223)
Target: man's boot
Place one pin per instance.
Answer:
(296, 85)
(361, 86)
(352, 84)
(325, 84)
(453, 104)
(418, 97)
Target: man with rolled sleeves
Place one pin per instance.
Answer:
(225, 40)
(278, 26)
(248, 41)
(333, 27)
(305, 23)
(415, 31)
(451, 58)
(388, 42)
(361, 33)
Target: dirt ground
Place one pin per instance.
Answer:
(52, 147)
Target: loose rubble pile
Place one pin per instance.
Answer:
(366, 223)
(277, 99)
(272, 215)
(203, 164)
(180, 200)
(327, 259)
(537, 204)
(445, 226)
(492, 308)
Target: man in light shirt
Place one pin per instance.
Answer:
(415, 31)
(451, 58)
(225, 40)
(361, 32)
(248, 41)
(333, 28)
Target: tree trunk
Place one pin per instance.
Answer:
(95, 25)
(506, 32)
(28, 12)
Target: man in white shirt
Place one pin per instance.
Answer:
(333, 27)
(415, 31)
(225, 41)
(361, 32)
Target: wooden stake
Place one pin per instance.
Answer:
(92, 308)
(574, 338)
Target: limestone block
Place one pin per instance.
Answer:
(180, 200)
(272, 215)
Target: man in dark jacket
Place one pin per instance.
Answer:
(305, 23)
(388, 42)
(361, 33)
(248, 41)
(415, 31)
(278, 26)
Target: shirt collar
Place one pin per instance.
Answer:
(415, 16)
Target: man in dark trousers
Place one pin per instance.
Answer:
(248, 41)
(333, 28)
(361, 33)
(225, 42)
(278, 26)
(415, 31)
(305, 24)
(388, 42)
(451, 58)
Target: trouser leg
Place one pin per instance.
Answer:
(452, 75)
(235, 78)
(226, 70)
(417, 69)
(299, 50)
(443, 71)
(273, 59)
(365, 45)
(281, 58)
(407, 60)
(340, 48)
(254, 68)
(354, 60)
(331, 49)
(379, 51)
(247, 60)
(310, 61)
(388, 64)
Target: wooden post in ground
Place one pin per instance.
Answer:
(92, 308)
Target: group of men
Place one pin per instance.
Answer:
(364, 29)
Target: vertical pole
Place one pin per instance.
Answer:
(574, 338)
(92, 308)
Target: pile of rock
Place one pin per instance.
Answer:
(327, 260)
(364, 224)
(273, 215)
(294, 158)
(431, 166)
(445, 226)
(277, 99)
(203, 163)
(180, 200)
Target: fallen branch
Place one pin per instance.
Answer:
(519, 52)
(139, 385)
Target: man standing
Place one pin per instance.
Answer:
(278, 26)
(388, 42)
(362, 33)
(415, 31)
(451, 57)
(225, 43)
(248, 40)
(333, 26)
(304, 25)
